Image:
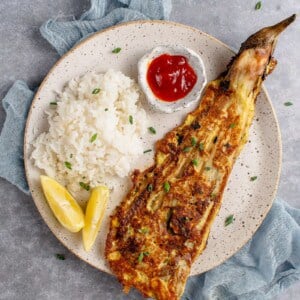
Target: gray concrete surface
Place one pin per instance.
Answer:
(28, 267)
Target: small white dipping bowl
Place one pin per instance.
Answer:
(193, 59)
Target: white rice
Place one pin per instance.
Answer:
(78, 116)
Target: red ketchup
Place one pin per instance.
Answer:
(170, 77)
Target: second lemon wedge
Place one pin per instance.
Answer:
(63, 205)
(94, 214)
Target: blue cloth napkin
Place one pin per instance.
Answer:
(16, 104)
(266, 265)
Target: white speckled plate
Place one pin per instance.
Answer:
(249, 201)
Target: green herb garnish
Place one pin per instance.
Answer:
(68, 165)
(84, 186)
(147, 151)
(152, 130)
(207, 168)
(71, 155)
(167, 186)
(258, 5)
(229, 220)
(195, 162)
(116, 50)
(130, 119)
(232, 125)
(142, 255)
(93, 138)
(193, 141)
(106, 109)
(253, 178)
(187, 149)
(96, 91)
(201, 146)
(143, 230)
(149, 187)
(60, 256)
(53, 103)
(288, 103)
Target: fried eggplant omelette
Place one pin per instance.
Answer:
(163, 223)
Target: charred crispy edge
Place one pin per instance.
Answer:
(266, 35)
(261, 39)
(111, 234)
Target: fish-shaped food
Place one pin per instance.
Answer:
(163, 223)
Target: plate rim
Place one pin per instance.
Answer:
(91, 37)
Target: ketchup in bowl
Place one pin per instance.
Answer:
(170, 77)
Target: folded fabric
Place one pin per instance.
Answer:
(102, 14)
(16, 105)
(269, 262)
(63, 36)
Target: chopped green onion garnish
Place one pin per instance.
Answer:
(68, 165)
(207, 168)
(150, 187)
(116, 50)
(71, 155)
(253, 178)
(93, 138)
(193, 141)
(195, 162)
(152, 130)
(143, 230)
(141, 256)
(130, 119)
(232, 125)
(148, 150)
(84, 186)
(53, 103)
(187, 149)
(201, 146)
(258, 5)
(60, 256)
(229, 220)
(167, 186)
(106, 109)
(288, 103)
(96, 91)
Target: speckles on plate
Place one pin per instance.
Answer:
(261, 156)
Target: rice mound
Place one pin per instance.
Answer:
(94, 132)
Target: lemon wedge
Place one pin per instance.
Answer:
(63, 205)
(94, 215)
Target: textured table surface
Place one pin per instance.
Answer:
(28, 266)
